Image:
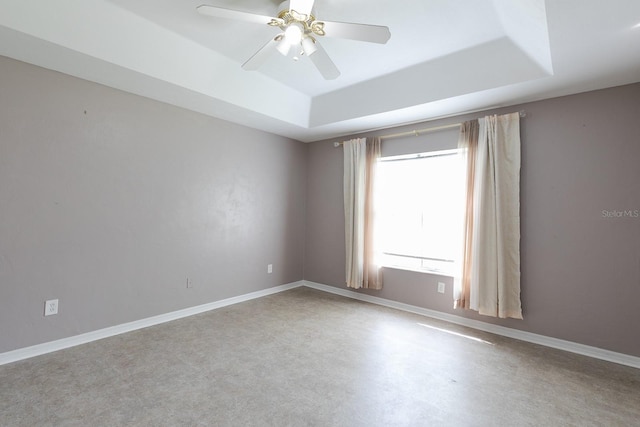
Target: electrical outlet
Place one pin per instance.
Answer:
(270, 268)
(189, 283)
(441, 286)
(50, 307)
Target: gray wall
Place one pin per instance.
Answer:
(580, 271)
(109, 201)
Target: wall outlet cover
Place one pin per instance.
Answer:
(50, 307)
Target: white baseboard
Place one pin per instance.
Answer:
(585, 350)
(48, 347)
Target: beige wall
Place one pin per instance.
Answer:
(109, 201)
(580, 271)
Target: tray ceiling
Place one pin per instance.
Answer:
(443, 57)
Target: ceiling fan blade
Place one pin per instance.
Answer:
(263, 54)
(301, 6)
(324, 64)
(362, 32)
(220, 12)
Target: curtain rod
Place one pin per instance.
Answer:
(418, 132)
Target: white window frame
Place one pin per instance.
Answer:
(440, 266)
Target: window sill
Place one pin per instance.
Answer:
(420, 270)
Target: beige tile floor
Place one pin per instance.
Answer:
(307, 358)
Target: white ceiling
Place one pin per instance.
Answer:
(444, 57)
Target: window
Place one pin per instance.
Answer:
(419, 211)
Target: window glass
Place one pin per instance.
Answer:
(419, 211)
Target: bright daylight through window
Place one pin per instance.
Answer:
(419, 211)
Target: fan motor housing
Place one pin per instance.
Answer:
(284, 7)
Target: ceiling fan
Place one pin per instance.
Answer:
(299, 33)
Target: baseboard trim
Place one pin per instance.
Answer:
(585, 350)
(573, 347)
(48, 347)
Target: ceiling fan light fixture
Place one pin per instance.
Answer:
(309, 46)
(283, 46)
(293, 33)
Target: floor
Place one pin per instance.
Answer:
(308, 358)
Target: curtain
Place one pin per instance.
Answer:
(360, 157)
(489, 279)
(468, 144)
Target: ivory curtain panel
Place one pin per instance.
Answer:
(360, 158)
(489, 280)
